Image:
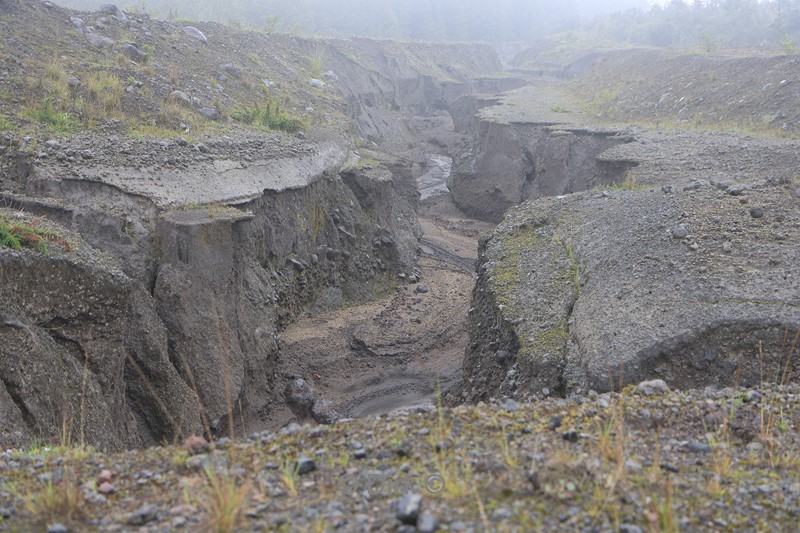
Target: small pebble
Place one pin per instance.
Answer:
(408, 509)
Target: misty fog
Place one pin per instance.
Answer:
(708, 24)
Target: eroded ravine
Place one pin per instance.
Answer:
(397, 352)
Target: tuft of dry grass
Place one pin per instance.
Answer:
(105, 94)
(56, 501)
(225, 500)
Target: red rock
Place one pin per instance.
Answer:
(106, 488)
(195, 444)
(105, 476)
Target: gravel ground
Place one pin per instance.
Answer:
(702, 460)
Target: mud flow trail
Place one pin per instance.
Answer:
(395, 353)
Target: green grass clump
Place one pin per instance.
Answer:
(60, 122)
(269, 116)
(5, 123)
(19, 235)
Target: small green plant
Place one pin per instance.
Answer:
(19, 235)
(316, 64)
(56, 501)
(271, 24)
(5, 123)
(148, 49)
(105, 93)
(269, 116)
(60, 122)
(558, 108)
(788, 46)
(708, 43)
(290, 471)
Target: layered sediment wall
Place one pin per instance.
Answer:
(195, 254)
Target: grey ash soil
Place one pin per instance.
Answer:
(281, 263)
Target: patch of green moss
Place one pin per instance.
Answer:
(507, 276)
(551, 341)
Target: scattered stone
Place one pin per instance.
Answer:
(57, 528)
(180, 97)
(100, 42)
(669, 468)
(502, 356)
(113, 10)
(652, 387)
(144, 515)
(210, 113)
(752, 396)
(300, 396)
(666, 189)
(194, 33)
(555, 422)
(324, 412)
(231, 70)
(698, 447)
(510, 405)
(627, 528)
(305, 465)
(427, 523)
(80, 25)
(330, 76)
(132, 52)
(73, 82)
(319, 84)
(105, 476)
(421, 289)
(570, 436)
(735, 190)
(680, 232)
(106, 488)
(197, 462)
(408, 509)
(756, 212)
(727, 247)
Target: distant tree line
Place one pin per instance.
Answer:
(706, 24)
(680, 23)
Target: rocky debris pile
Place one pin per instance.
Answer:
(701, 460)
